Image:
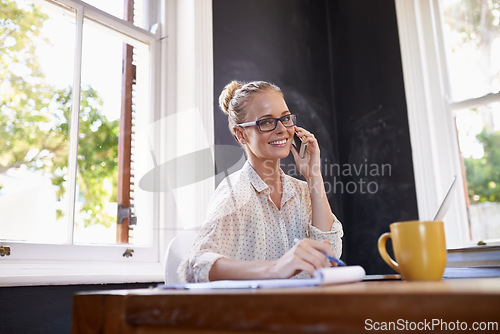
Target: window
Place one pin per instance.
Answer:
(438, 92)
(472, 40)
(76, 102)
(94, 126)
(172, 115)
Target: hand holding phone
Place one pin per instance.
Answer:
(297, 143)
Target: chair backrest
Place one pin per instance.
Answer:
(178, 247)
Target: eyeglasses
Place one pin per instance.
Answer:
(269, 124)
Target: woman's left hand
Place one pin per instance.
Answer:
(310, 165)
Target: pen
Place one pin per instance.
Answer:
(331, 258)
(338, 261)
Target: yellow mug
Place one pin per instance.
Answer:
(419, 248)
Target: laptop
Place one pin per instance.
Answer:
(446, 202)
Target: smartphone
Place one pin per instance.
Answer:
(301, 148)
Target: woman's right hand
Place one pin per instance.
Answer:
(306, 255)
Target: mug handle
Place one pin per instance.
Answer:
(383, 251)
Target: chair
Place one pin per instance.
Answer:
(178, 247)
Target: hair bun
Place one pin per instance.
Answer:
(227, 94)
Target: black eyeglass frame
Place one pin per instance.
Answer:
(293, 118)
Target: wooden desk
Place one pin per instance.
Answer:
(350, 308)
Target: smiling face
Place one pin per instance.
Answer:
(263, 146)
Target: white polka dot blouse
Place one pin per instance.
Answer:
(243, 223)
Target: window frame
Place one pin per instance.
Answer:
(435, 150)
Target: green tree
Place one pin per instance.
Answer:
(483, 175)
(35, 117)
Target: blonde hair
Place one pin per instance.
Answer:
(236, 95)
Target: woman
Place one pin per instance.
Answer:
(262, 223)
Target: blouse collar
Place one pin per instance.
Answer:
(260, 186)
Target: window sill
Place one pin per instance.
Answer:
(65, 273)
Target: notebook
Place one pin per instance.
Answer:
(323, 276)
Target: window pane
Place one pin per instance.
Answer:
(472, 38)
(479, 139)
(36, 73)
(100, 112)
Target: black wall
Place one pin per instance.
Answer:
(339, 66)
(44, 309)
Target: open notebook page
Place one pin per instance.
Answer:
(324, 276)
